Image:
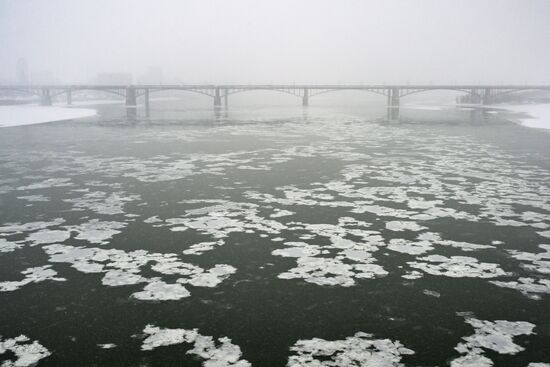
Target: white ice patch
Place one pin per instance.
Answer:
(528, 286)
(490, 335)
(122, 268)
(107, 346)
(200, 248)
(96, 231)
(48, 236)
(281, 213)
(103, 203)
(8, 246)
(457, 267)
(403, 226)
(46, 184)
(26, 353)
(410, 247)
(214, 353)
(16, 228)
(32, 275)
(34, 198)
(161, 291)
(358, 350)
(331, 272)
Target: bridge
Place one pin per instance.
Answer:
(482, 94)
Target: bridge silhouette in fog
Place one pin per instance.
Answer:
(482, 94)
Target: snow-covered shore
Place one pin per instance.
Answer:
(27, 114)
(538, 114)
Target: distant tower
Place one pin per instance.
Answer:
(22, 72)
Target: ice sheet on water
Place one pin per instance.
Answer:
(102, 202)
(96, 231)
(361, 349)
(490, 335)
(32, 275)
(34, 198)
(123, 268)
(9, 246)
(221, 352)
(457, 267)
(47, 236)
(26, 353)
(404, 226)
(528, 286)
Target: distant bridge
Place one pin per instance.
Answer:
(483, 94)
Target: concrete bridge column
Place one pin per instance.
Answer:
(69, 96)
(486, 96)
(217, 98)
(393, 104)
(305, 97)
(225, 97)
(131, 97)
(146, 96)
(46, 98)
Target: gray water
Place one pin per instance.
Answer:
(284, 225)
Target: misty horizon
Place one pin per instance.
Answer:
(284, 42)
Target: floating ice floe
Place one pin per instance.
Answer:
(34, 198)
(107, 346)
(46, 184)
(457, 267)
(403, 226)
(539, 262)
(16, 228)
(528, 286)
(358, 350)
(9, 246)
(325, 271)
(199, 248)
(214, 353)
(281, 213)
(122, 268)
(96, 231)
(32, 275)
(490, 335)
(48, 236)
(26, 353)
(102, 202)
(222, 219)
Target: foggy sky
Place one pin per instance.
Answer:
(281, 41)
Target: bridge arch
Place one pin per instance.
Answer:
(153, 90)
(407, 92)
(292, 92)
(317, 92)
(61, 91)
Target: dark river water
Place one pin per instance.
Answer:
(275, 236)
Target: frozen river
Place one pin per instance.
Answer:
(275, 236)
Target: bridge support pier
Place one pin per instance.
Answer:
(225, 97)
(217, 98)
(146, 97)
(305, 97)
(393, 104)
(131, 97)
(46, 98)
(486, 97)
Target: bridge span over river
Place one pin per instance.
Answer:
(483, 94)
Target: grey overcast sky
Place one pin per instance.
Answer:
(254, 41)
